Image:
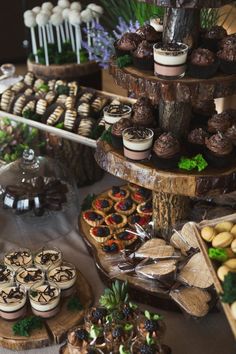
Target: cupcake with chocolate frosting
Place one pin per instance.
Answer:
(203, 63)
(127, 43)
(202, 111)
(143, 113)
(196, 140)
(143, 56)
(148, 33)
(219, 150)
(219, 122)
(227, 56)
(211, 38)
(116, 132)
(166, 151)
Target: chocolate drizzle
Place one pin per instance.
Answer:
(48, 257)
(32, 275)
(63, 274)
(43, 295)
(117, 109)
(5, 273)
(14, 294)
(19, 258)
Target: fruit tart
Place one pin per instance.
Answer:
(101, 233)
(112, 246)
(116, 220)
(102, 204)
(93, 218)
(142, 220)
(125, 236)
(141, 195)
(145, 208)
(126, 206)
(118, 193)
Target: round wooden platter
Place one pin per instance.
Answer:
(208, 182)
(55, 329)
(187, 89)
(189, 3)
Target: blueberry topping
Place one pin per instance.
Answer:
(123, 192)
(94, 216)
(123, 235)
(128, 311)
(126, 205)
(147, 349)
(144, 192)
(104, 203)
(117, 218)
(118, 332)
(82, 334)
(110, 248)
(99, 314)
(103, 231)
(135, 219)
(114, 247)
(151, 325)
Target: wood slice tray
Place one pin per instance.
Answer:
(55, 329)
(190, 3)
(187, 89)
(212, 267)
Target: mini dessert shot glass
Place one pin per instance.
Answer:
(45, 299)
(6, 276)
(29, 276)
(18, 258)
(64, 276)
(114, 113)
(137, 143)
(13, 302)
(47, 257)
(170, 60)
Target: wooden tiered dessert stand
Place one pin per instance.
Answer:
(172, 190)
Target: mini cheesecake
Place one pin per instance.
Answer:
(12, 302)
(126, 206)
(141, 195)
(112, 246)
(118, 193)
(29, 276)
(93, 218)
(6, 276)
(145, 208)
(64, 276)
(102, 204)
(116, 220)
(142, 220)
(47, 257)
(44, 299)
(101, 233)
(126, 237)
(16, 259)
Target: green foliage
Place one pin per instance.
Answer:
(123, 350)
(62, 90)
(60, 125)
(97, 132)
(218, 254)
(115, 296)
(87, 203)
(106, 136)
(74, 304)
(27, 325)
(229, 288)
(189, 164)
(29, 114)
(124, 60)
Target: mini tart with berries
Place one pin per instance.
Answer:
(102, 204)
(126, 206)
(145, 208)
(142, 220)
(133, 187)
(118, 193)
(101, 233)
(112, 246)
(116, 220)
(125, 236)
(93, 218)
(141, 195)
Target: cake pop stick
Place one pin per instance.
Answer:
(42, 20)
(65, 15)
(62, 33)
(48, 14)
(86, 16)
(40, 37)
(56, 20)
(30, 22)
(75, 20)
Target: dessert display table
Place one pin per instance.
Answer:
(54, 329)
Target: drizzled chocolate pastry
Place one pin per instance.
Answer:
(55, 116)
(98, 104)
(73, 88)
(29, 78)
(19, 104)
(219, 122)
(70, 118)
(6, 100)
(30, 106)
(41, 106)
(143, 113)
(86, 97)
(148, 33)
(86, 126)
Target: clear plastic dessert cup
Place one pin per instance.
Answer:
(137, 143)
(6, 276)
(17, 258)
(64, 276)
(170, 60)
(47, 257)
(13, 302)
(27, 276)
(113, 117)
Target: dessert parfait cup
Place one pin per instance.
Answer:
(111, 117)
(137, 143)
(170, 60)
(21, 257)
(29, 276)
(6, 276)
(45, 299)
(13, 302)
(95, 317)
(47, 257)
(118, 333)
(154, 328)
(64, 276)
(140, 346)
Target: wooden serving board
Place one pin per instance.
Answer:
(55, 329)
(212, 266)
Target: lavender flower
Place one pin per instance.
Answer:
(123, 27)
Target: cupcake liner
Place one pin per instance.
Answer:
(218, 161)
(166, 164)
(203, 71)
(144, 63)
(228, 67)
(117, 141)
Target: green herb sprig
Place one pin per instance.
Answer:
(27, 325)
(218, 254)
(190, 164)
(124, 60)
(229, 288)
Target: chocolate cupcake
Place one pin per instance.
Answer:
(219, 122)
(148, 33)
(143, 113)
(231, 134)
(219, 150)
(143, 56)
(166, 151)
(211, 38)
(203, 64)
(116, 132)
(127, 43)
(202, 111)
(227, 56)
(229, 40)
(196, 140)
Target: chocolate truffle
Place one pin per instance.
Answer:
(143, 56)
(202, 57)
(228, 41)
(128, 42)
(204, 108)
(148, 33)
(219, 122)
(143, 113)
(227, 55)
(211, 38)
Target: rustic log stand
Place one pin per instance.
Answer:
(172, 190)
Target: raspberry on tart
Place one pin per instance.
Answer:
(145, 208)
(126, 206)
(118, 193)
(125, 236)
(102, 204)
(116, 220)
(141, 196)
(112, 246)
(142, 220)
(101, 233)
(93, 218)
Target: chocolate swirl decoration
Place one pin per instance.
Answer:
(19, 258)
(5, 273)
(63, 274)
(32, 275)
(46, 295)
(219, 144)
(48, 257)
(166, 146)
(15, 295)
